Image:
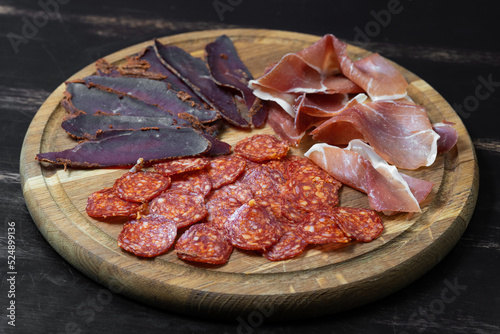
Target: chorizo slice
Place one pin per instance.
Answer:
(357, 223)
(261, 147)
(225, 169)
(204, 243)
(140, 186)
(197, 182)
(250, 227)
(181, 165)
(148, 236)
(287, 247)
(181, 207)
(105, 203)
(319, 227)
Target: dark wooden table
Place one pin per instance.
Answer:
(453, 46)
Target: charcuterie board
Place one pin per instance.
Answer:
(324, 279)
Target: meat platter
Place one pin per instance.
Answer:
(324, 279)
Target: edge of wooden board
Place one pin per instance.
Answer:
(332, 288)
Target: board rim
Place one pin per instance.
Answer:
(198, 301)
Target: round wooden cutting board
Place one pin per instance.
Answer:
(324, 279)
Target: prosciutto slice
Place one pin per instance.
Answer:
(283, 124)
(448, 136)
(358, 166)
(399, 131)
(228, 70)
(195, 73)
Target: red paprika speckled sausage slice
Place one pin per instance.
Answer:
(225, 169)
(263, 180)
(250, 227)
(149, 236)
(181, 165)
(359, 224)
(204, 243)
(223, 202)
(197, 182)
(140, 186)
(181, 207)
(287, 247)
(105, 203)
(321, 228)
(261, 148)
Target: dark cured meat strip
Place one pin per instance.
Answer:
(181, 207)
(105, 203)
(320, 228)
(251, 228)
(359, 224)
(218, 147)
(287, 247)
(204, 243)
(149, 236)
(79, 98)
(196, 182)
(87, 126)
(261, 147)
(195, 73)
(152, 92)
(140, 186)
(228, 70)
(124, 148)
(225, 169)
(181, 165)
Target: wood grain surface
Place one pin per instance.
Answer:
(324, 279)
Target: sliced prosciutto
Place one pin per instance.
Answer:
(195, 73)
(399, 131)
(283, 124)
(228, 70)
(361, 168)
(448, 136)
(152, 92)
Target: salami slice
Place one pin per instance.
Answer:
(223, 202)
(105, 203)
(181, 207)
(250, 227)
(261, 147)
(359, 224)
(321, 228)
(140, 186)
(181, 165)
(263, 180)
(287, 247)
(149, 236)
(197, 181)
(204, 243)
(225, 169)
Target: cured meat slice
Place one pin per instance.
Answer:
(149, 236)
(400, 132)
(448, 136)
(181, 165)
(225, 169)
(204, 243)
(87, 126)
(387, 191)
(105, 203)
(262, 180)
(250, 227)
(217, 147)
(140, 186)
(181, 207)
(228, 70)
(195, 182)
(261, 147)
(283, 125)
(152, 92)
(319, 227)
(124, 148)
(287, 247)
(359, 224)
(195, 73)
(284, 100)
(81, 99)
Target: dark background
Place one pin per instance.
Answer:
(454, 46)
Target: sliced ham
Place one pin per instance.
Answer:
(358, 166)
(400, 132)
(448, 136)
(283, 124)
